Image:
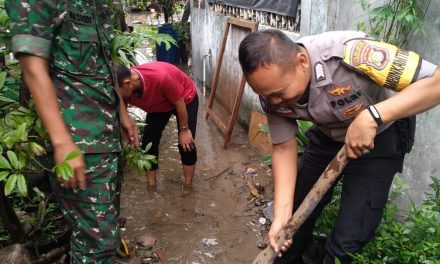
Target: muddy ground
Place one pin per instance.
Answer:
(219, 221)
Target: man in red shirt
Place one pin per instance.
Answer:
(161, 89)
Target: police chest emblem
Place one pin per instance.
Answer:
(319, 72)
(353, 110)
(340, 90)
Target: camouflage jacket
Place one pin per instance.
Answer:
(75, 37)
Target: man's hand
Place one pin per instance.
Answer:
(77, 164)
(186, 140)
(360, 135)
(129, 129)
(274, 231)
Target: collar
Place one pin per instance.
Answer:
(138, 93)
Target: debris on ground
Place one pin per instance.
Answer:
(209, 242)
(147, 241)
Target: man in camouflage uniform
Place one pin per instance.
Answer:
(64, 50)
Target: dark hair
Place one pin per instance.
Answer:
(266, 47)
(122, 72)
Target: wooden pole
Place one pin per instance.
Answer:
(325, 181)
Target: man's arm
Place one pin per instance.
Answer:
(415, 98)
(37, 80)
(185, 136)
(284, 166)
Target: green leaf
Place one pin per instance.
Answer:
(9, 142)
(437, 21)
(3, 175)
(2, 78)
(22, 160)
(37, 149)
(7, 100)
(147, 147)
(38, 192)
(4, 163)
(72, 155)
(10, 184)
(22, 186)
(64, 171)
(21, 132)
(13, 159)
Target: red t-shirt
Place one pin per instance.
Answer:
(162, 85)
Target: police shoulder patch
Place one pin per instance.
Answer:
(385, 64)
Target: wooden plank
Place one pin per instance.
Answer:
(228, 126)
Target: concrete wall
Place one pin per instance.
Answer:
(207, 32)
(424, 161)
(318, 16)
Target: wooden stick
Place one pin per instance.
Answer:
(325, 181)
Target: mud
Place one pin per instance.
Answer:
(217, 222)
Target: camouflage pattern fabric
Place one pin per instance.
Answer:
(75, 37)
(93, 213)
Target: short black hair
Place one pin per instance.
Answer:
(122, 72)
(265, 47)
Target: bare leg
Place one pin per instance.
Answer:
(151, 177)
(188, 173)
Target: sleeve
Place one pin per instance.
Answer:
(31, 25)
(171, 88)
(427, 69)
(385, 64)
(281, 128)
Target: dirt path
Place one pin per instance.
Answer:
(209, 225)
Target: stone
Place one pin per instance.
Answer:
(147, 241)
(16, 254)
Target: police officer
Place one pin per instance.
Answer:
(64, 52)
(336, 80)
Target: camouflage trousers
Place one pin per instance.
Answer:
(93, 213)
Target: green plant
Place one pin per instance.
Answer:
(5, 35)
(263, 129)
(415, 239)
(326, 221)
(183, 30)
(266, 159)
(138, 158)
(138, 4)
(21, 136)
(394, 21)
(301, 139)
(125, 46)
(169, 8)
